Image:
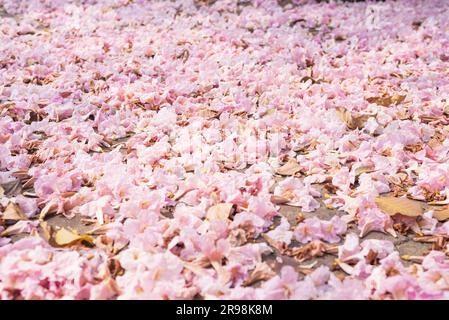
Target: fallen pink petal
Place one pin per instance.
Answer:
(219, 150)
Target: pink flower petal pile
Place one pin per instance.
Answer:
(162, 125)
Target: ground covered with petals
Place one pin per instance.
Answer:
(224, 149)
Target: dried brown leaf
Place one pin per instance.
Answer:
(13, 212)
(12, 188)
(289, 169)
(278, 245)
(352, 121)
(441, 215)
(427, 119)
(311, 250)
(386, 100)
(22, 226)
(307, 78)
(207, 113)
(372, 258)
(115, 268)
(21, 174)
(404, 206)
(261, 272)
(29, 183)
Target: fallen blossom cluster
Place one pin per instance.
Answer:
(177, 131)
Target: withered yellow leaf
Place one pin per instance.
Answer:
(221, 211)
(13, 212)
(64, 237)
(404, 206)
(289, 169)
(352, 121)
